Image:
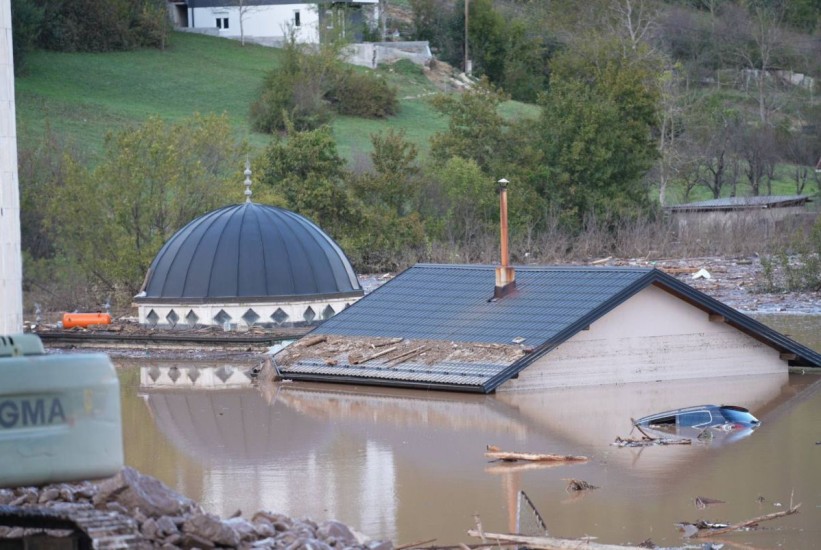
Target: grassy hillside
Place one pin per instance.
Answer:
(82, 96)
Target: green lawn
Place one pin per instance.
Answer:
(82, 96)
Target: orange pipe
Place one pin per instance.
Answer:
(71, 320)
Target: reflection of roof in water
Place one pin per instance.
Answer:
(244, 426)
(398, 409)
(232, 425)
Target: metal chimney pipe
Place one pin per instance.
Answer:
(505, 275)
(503, 221)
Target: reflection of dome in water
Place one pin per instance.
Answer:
(248, 263)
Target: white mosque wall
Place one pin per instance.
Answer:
(240, 315)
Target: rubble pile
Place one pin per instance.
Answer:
(391, 352)
(163, 518)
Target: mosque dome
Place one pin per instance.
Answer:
(256, 262)
(250, 251)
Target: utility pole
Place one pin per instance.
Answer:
(11, 263)
(467, 60)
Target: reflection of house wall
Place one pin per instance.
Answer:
(653, 336)
(596, 415)
(384, 460)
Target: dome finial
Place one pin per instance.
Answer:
(247, 179)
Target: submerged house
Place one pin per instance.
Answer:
(480, 328)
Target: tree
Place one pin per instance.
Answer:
(462, 205)
(756, 41)
(306, 170)
(757, 148)
(475, 131)
(595, 134)
(392, 184)
(244, 9)
(102, 25)
(26, 20)
(153, 179)
(714, 129)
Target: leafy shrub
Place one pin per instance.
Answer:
(797, 272)
(363, 95)
(102, 25)
(288, 97)
(308, 87)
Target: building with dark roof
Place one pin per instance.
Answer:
(269, 22)
(762, 215)
(442, 328)
(247, 264)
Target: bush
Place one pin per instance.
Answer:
(363, 95)
(289, 98)
(308, 87)
(102, 25)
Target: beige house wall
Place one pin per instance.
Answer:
(653, 336)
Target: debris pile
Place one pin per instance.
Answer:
(645, 441)
(391, 352)
(164, 518)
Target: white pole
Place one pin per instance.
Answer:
(11, 264)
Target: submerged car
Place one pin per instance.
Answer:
(730, 422)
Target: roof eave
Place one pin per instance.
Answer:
(756, 329)
(354, 380)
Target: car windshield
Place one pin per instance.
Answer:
(741, 416)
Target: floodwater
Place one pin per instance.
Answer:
(409, 466)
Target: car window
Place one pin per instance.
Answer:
(735, 415)
(695, 418)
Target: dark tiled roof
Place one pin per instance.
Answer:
(451, 303)
(250, 251)
(743, 203)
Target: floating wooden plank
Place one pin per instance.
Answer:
(509, 456)
(388, 342)
(550, 543)
(401, 358)
(375, 355)
(314, 340)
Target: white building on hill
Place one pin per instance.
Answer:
(269, 21)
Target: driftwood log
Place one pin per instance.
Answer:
(549, 543)
(533, 457)
(314, 340)
(711, 532)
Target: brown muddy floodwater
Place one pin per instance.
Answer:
(408, 465)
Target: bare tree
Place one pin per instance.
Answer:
(635, 20)
(244, 9)
(757, 149)
(757, 41)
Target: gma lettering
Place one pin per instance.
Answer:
(39, 411)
